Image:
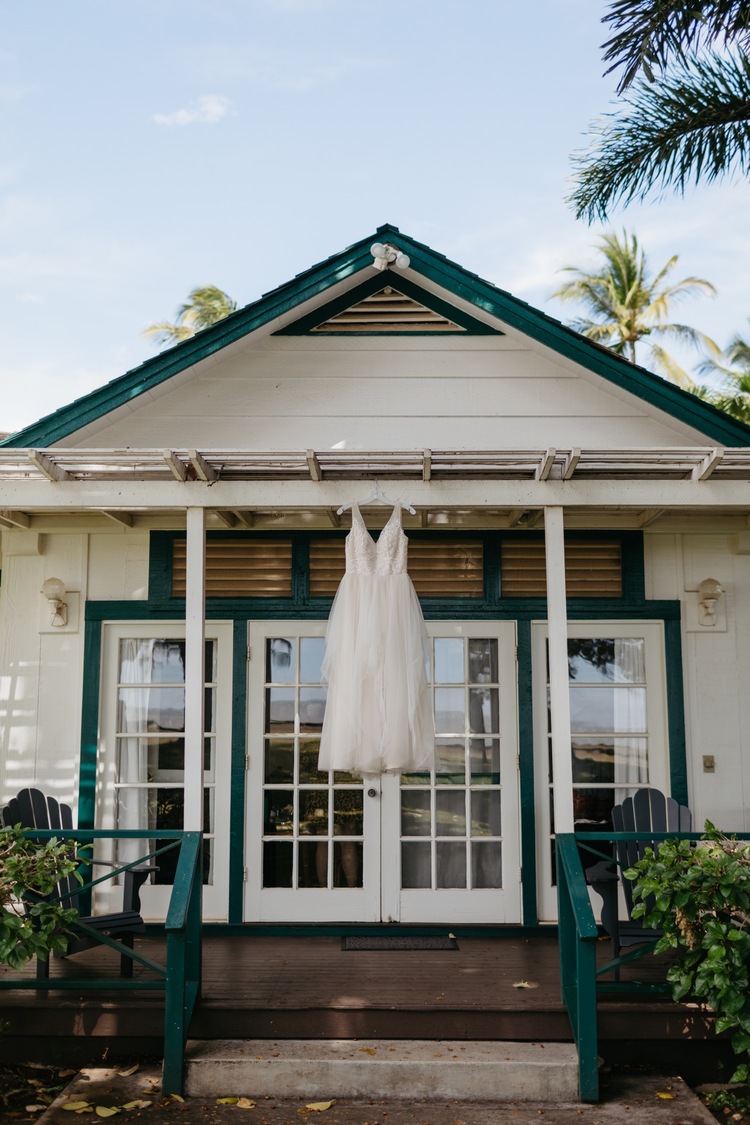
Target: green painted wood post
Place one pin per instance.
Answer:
(577, 934)
(174, 1015)
(587, 1033)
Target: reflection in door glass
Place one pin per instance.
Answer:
(609, 725)
(459, 852)
(449, 660)
(311, 652)
(281, 660)
(150, 745)
(450, 812)
(305, 809)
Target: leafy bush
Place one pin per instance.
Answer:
(30, 924)
(699, 895)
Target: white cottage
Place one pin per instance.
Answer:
(570, 508)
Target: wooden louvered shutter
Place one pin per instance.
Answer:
(439, 568)
(240, 568)
(593, 568)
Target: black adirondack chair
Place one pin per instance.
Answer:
(34, 809)
(647, 811)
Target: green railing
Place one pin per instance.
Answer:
(577, 937)
(578, 932)
(180, 976)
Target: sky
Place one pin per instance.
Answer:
(151, 146)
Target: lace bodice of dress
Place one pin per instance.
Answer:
(386, 556)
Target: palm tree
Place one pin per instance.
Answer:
(733, 393)
(626, 305)
(688, 115)
(650, 34)
(205, 306)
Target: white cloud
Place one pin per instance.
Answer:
(38, 389)
(10, 94)
(293, 70)
(206, 111)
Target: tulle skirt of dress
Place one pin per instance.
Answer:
(378, 716)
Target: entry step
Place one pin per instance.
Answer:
(382, 1068)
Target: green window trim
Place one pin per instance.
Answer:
(632, 606)
(301, 603)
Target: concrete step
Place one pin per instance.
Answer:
(382, 1068)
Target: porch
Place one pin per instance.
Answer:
(267, 986)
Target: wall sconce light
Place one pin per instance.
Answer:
(709, 592)
(386, 255)
(54, 591)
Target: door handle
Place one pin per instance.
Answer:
(372, 792)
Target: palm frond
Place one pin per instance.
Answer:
(738, 352)
(695, 124)
(205, 305)
(165, 333)
(663, 362)
(649, 34)
(684, 334)
(733, 397)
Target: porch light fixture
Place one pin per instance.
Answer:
(54, 591)
(709, 592)
(386, 255)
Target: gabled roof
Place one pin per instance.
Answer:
(434, 267)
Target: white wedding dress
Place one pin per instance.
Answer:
(378, 716)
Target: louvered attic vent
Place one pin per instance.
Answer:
(447, 568)
(239, 568)
(593, 568)
(387, 311)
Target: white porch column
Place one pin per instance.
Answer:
(195, 677)
(557, 619)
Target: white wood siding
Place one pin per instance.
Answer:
(716, 662)
(118, 566)
(287, 393)
(40, 667)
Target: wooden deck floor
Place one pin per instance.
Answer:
(308, 987)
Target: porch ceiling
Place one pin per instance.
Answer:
(496, 487)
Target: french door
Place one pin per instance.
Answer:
(429, 847)
(140, 766)
(618, 718)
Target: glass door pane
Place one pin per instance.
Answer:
(150, 747)
(458, 824)
(618, 728)
(141, 760)
(306, 828)
(312, 821)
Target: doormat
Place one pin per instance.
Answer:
(387, 943)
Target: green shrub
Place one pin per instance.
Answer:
(31, 925)
(699, 895)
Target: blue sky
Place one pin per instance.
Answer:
(149, 146)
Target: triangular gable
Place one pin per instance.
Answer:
(434, 268)
(390, 305)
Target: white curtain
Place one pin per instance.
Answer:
(136, 666)
(631, 758)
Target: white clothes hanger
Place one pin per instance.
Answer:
(377, 496)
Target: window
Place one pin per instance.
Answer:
(141, 768)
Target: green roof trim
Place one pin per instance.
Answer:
(374, 284)
(650, 388)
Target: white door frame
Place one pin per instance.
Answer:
(656, 723)
(381, 898)
(155, 897)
